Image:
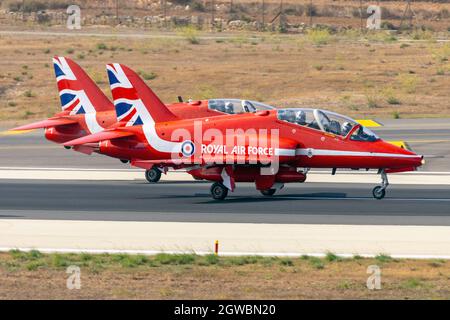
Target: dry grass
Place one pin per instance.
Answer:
(280, 70)
(37, 276)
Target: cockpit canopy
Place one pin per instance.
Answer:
(235, 106)
(326, 121)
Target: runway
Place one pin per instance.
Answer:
(54, 199)
(309, 203)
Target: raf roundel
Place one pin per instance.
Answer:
(188, 148)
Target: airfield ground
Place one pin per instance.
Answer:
(376, 75)
(35, 275)
(383, 76)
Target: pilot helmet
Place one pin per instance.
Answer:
(300, 117)
(346, 127)
(229, 108)
(291, 116)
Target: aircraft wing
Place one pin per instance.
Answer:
(99, 136)
(45, 124)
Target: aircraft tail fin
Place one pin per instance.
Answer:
(78, 93)
(134, 101)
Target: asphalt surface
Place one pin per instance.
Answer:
(313, 203)
(429, 137)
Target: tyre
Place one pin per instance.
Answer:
(219, 191)
(378, 192)
(268, 192)
(153, 175)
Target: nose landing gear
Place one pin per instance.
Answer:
(379, 192)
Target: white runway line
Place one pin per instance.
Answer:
(234, 238)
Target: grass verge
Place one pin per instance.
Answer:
(34, 275)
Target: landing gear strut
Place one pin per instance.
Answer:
(380, 191)
(219, 191)
(153, 175)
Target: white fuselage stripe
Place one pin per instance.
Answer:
(285, 152)
(325, 152)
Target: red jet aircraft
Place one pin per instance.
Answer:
(267, 147)
(86, 110)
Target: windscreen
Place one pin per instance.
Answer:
(326, 121)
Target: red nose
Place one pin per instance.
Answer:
(400, 159)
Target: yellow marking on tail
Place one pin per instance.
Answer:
(369, 123)
(12, 133)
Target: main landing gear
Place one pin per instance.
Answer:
(379, 192)
(218, 191)
(153, 175)
(268, 192)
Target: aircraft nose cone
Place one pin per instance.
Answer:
(401, 158)
(414, 160)
(422, 161)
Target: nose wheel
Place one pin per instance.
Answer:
(379, 192)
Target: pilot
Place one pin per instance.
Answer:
(346, 127)
(300, 117)
(229, 108)
(220, 107)
(335, 127)
(291, 116)
(248, 107)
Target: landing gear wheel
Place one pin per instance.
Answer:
(153, 175)
(379, 192)
(219, 191)
(268, 192)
